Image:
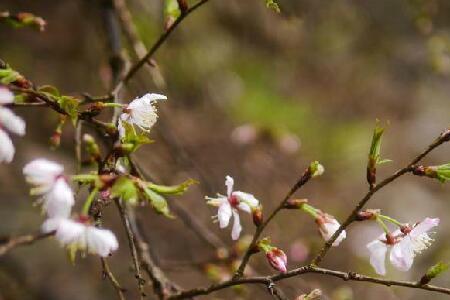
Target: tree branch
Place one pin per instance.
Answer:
(7, 244)
(107, 272)
(155, 47)
(444, 137)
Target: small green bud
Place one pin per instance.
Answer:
(316, 169)
(433, 272)
(441, 172)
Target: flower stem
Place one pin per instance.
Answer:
(84, 178)
(309, 210)
(88, 202)
(389, 219)
(380, 221)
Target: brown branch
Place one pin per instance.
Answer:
(132, 244)
(7, 244)
(107, 272)
(444, 137)
(302, 181)
(155, 47)
(346, 276)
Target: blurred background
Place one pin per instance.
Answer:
(252, 94)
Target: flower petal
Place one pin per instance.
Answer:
(229, 182)
(6, 96)
(11, 121)
(402, 255)
(237, 228)
(426, 225)
(6, 148)
(59, 200)
(224, 214)
(377, 251)
(247, 198)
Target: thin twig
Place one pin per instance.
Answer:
(346, 276)
(107, 272)
(155, 47)
(7, 244)
(439, 141)
(132, 245)
(302, 181)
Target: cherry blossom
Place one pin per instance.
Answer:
(9, 122)
(141, 112)
(229, 206)
(48, 180)
(328, 225)
(81, 235)
(404, 244)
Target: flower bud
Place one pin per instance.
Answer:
(433, 272)
(316, 169)
(92, 148)
(446, 135)
(440, 172)
(257, 216)
(277, 259)
(368, 214)
(295, 203)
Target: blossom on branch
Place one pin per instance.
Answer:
(277, 259)
(328, 225)
(404, 243)
(141, 112)
(230, 205)
(48, 180)
(9, 122)
(80, 235)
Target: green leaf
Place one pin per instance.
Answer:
(70, 106)
(133, 138)
(49, 90)
(172, 189)
(158, 202)
(264, 245)
(125, 189)
(437, 269)
(443, 172)
(375, 147)
(171, 9)
(8, 76)
(273, 5)
(383, 161)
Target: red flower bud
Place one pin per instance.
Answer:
(277, 259)
(295, 203)
(257, 216)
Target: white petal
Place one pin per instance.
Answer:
(6, 96)
(224, 214)
(236, 231)
(42, 172)
(101, 241)
(120, 128)
(402, 254)
(229, 182)
(151, 97)
(378, 251)
(426, 225)
(11, 121)
(245, 207)
(247, 198)
(59, 200)
(67, 231)
(6, 148)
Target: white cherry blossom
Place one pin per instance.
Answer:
(230, 205)
(328, 225)
(403, 244)
(48, 180)
(82, 236)
(141, 112)
(9, 122)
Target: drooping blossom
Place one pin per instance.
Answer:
(9, 122)
(277, 259)
(328, 225)
(230, 205)
(404, 244)
(80, 235)
(141, 112)
(48, 180)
